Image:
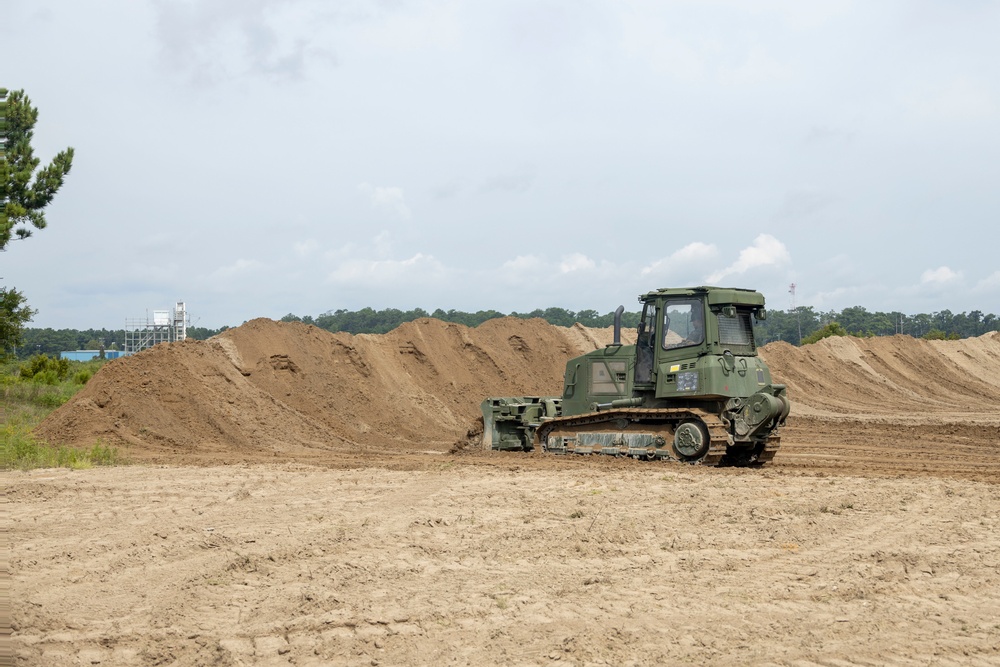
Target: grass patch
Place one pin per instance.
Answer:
(24, 403)
(20, 449)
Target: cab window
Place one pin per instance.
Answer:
(683, 323)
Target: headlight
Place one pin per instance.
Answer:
(687, 381)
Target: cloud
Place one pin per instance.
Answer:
(821, 134)
(238, 267)
(518, 180)
(839, 295)
(523, 263)
(383, 244)
(305, 248)
(756, 68)
(961, 99)
(414, 27)
(765, 251)
(231, 39)
(940, 276)
(388, 199)
(990, 283)
(576, 262)
(803, 204)
(539, 267)
(692, 253)
(446, 190)
(237, 276)
(420, 269)
(841, 266)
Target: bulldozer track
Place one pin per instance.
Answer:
(719, 439)
(770, 449)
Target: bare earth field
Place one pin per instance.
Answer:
(297, 500)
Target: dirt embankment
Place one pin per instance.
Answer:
(288, 389)
(895, 376)
(892, 406)
(278, 391)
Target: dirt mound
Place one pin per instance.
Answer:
(286, 388)
(899, 376)
(293, 391)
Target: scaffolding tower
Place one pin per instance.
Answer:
(164, 326)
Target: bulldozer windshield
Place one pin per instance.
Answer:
(683, 323)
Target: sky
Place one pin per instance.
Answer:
(255, 158)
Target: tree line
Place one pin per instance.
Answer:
(792, 326)
(796, 325)
(369, 320)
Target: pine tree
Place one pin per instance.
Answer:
(24, 194)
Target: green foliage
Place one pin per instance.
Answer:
(54, 341)
(14, 314)
(784, 325)
(368, 320)
(204, 333)
(937, 334)
(37, 394)
(45, 369)
(831, 329)
(24, 194)
(19, 448)
(25, 403)
(779, 325)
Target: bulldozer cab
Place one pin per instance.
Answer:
(700, 320)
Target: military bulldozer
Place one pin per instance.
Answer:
(691, 389)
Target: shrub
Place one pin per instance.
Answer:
(937, 334)
(47, 367)
(48, 376)
(831, 329)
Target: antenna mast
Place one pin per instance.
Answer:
(798, 320)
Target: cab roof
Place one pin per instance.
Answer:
(716, 295)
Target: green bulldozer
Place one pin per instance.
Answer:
(691, 389)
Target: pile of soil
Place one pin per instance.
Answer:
(291, 390)
(899, 376)
(288, 388)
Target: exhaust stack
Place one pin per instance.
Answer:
(618, 326)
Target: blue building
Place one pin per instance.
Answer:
(88, 355)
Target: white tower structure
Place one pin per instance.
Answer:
(180, 322)
(163, 327)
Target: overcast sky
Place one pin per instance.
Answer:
(259, 157)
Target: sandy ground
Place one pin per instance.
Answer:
(501, 562)
(284, 511)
